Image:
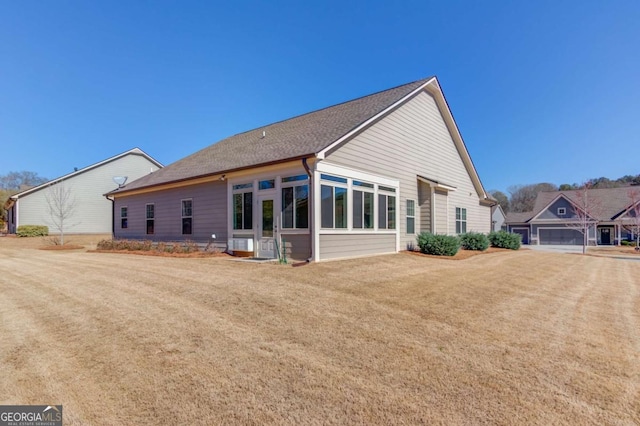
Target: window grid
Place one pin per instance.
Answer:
(461, 220)
(187, 217)
(411, 216)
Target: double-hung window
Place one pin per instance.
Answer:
(151, 216)
(124, 220)
(411, 216)
(243, 206)
(362, 205)
(295, 202)
(187, 217)
(386, 207)
(333, 194)
(461, 220)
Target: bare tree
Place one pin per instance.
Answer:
(523, 197)
(586, 209)
(631, 220)
(61, 206)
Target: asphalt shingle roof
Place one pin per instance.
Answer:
(304, 135)
(607, 203)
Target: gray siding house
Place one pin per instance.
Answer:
(498, 218)
(611, 215)
(360, 178)
(93, 212)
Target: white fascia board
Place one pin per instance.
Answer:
(436, 184)
(322, 154)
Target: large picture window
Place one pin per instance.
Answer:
(151, 216)
(295, 207)
(386, 211)
(461, 220)
(187, 217)
(362, 209)
(333, 202)
(243, 210)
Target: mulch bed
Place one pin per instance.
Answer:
(461, 255)
(197, 254)
(64, 247)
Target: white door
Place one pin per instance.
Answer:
(266, 229)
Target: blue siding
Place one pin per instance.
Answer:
(552, 211)
(209, 214)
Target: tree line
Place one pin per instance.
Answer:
(521, 198)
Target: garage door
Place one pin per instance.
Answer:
(561, 237)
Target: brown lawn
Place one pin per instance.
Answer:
(503, 338)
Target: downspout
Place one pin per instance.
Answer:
(113, 212)
(311, 209)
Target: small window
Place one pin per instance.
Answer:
(267, 184)
(562, 211)
(243, 186)
(363, 184)
(187, 217)
(294, 178)
(411, 216)
(151, 215)
(333, 178)
(124, 221)
(461, 220)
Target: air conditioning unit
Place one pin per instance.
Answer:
(241, 244)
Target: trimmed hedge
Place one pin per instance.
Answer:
(474, 241)
(439, 245)
(147, 245)
(32, 231)
(504, 239)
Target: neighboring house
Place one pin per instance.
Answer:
(498, 218)
(360, 178)
(553, 219)
(93, 212)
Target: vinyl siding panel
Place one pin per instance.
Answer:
(424, 203)
(440, 213)
(410, 141)
(92, 214)
(209, 204)
(334, 246)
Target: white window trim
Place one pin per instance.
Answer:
(294, 184)
(127, 216)
(182, 216)
(410, 216)
(562, 211)
(465, 220)
(147, 218)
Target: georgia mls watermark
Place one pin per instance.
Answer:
(30, 415)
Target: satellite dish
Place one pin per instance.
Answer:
(120, 180)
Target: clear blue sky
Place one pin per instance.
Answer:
(541, 90)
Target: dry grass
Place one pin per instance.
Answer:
(505, 338)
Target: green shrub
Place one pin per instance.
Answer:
(504, 239)
(32, 231)
(474, 241)
(440, 245)
(628, 243)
